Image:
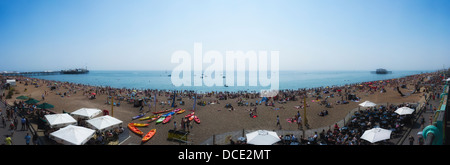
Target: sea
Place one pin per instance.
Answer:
(162, 80)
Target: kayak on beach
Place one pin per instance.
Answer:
(149, 135)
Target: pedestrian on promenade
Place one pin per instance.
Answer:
(24, 122)
(11, 128)
(411, 140)
(35, 139)
(16, 123)
(8, 140)
(27, 139)
(422, 122)
(3, 121)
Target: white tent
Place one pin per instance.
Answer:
(60, 120)
(404, 111)
(72, 135)
(376, 134)
(88, 113)
(104, 123)
(11, 82)
(262, 137)
(367, 104)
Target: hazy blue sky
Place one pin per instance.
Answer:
(142, 35)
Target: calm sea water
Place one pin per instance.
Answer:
(161, 80)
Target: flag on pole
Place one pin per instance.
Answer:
(173, 101)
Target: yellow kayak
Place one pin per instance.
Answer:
(147, 117)
(181, 111)
(140, 125)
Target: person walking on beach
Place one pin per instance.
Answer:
(299, 122)
(174, 125)
(278, 122)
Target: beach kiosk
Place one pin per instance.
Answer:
(11, 82)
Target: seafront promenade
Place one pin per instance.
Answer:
(18, 135)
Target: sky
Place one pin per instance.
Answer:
(37, 35)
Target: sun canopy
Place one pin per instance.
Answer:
(404, 111)
(376, 134)
(22, 97)
(104, 123)
(45, 106)
(72, 135)
(367, 104)
(60, 120)
(88, 113)
(262, 137)
(31, 101)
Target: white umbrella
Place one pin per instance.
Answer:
(404, 111)
(376, 134)
(72, 135)
(104, 123)
(60, 120)
(367, 104)
(86, 112)
(262, 137)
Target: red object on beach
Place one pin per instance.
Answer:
(149, 135)
(134, 129)
(161, 111)
(196, 119)
(167, 119)
(189, 115)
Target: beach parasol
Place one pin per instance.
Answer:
(367, 104)
(45, 106)
(262, 137)
(404, 111)
(376, 134)
(32, 101)
(104, 123)
(72, 135)
(60, 120)
(22, 97)
(87, 112)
